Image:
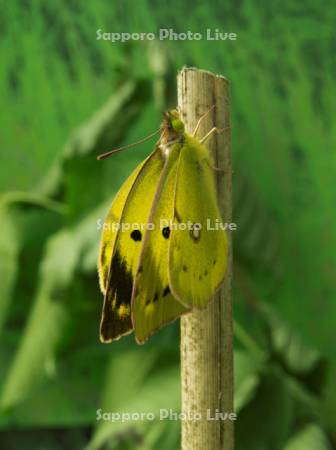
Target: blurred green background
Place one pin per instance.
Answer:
(65, 98)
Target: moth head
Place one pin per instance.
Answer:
(172, 122)
(176, 122)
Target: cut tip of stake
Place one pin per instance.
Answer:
(125, 147)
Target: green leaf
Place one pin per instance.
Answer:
(246, 378)
(13, 236)
(105, 129)
(9, 248)
(297, 358)
(265, 422)
(131, 386)
(311, 437)
(35, 357)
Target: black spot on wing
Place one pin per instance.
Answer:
(185, 268)
(166, 291)
(120, 288)
(166, 232)
(155, 299)
(136, 235)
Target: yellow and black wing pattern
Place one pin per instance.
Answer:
(121, 246)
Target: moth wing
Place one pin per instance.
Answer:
(110, 229)
(120, 246)
(198, 255)
(153, 304)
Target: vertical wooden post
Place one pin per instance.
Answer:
(206, 336)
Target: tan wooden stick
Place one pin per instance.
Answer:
(206, 336)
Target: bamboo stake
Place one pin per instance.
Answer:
(206, 336)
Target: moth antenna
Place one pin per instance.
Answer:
(125, 147)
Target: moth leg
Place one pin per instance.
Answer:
(211, 132)
(218, 169)
(203, 116)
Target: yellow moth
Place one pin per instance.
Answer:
(158, 258)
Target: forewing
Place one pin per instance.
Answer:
(153, 305)
(110, 229)
(120, 250)
(198, 255)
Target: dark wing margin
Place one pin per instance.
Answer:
(116, 316)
